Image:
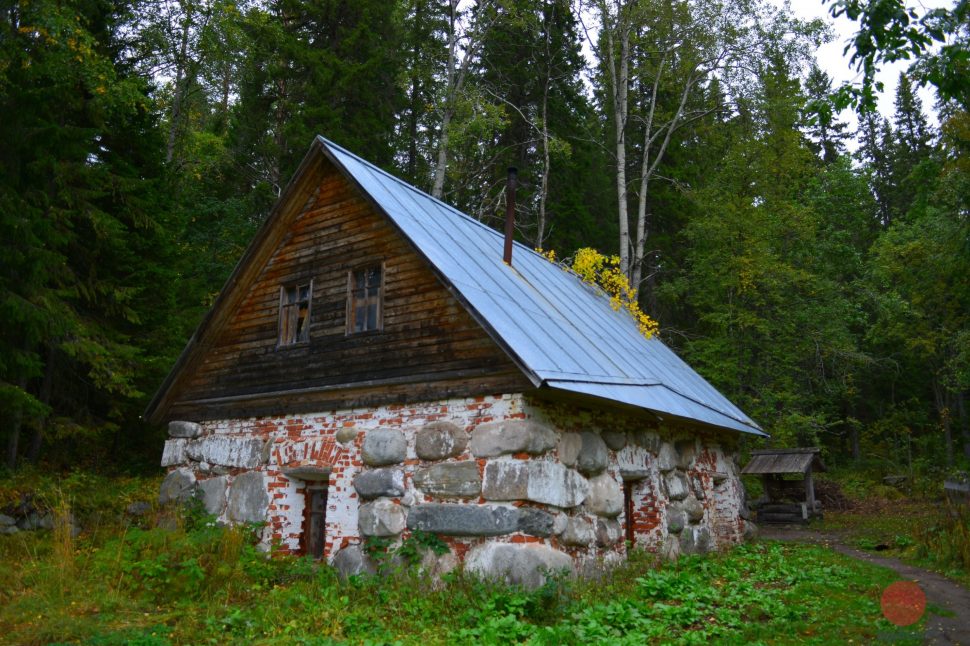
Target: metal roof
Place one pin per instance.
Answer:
(780, 461)
(559, 329)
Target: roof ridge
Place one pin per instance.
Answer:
(417, 190)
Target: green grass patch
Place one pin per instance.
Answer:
(200, 583)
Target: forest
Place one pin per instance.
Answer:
(818, 276)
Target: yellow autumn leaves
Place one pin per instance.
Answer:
(604, 271)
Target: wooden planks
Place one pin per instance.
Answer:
(426, 332)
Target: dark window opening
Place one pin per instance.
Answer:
(295, 314)
(365, 310)
(315, 521)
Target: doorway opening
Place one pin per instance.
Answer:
(628, 515)
(315, 519)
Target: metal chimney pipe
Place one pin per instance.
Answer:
(509, 213)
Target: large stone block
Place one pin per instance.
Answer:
(676, 520)
(440, 440)
(570, 444)
(346, 434)
(384, 446)
(549, 483)
(536, 522)
(248, 499)
(184, 429)
(243, 452)
(381, 518)
(696, 540)
(686, 450)
(692, 507)
(670, 549)
(455, 479)
(178, 486)
(352, 561)
(214, 494)
(677, 486)
(616, 440)
(608, 532)
(579, 531)
(667, 457)
(512, 436)
(648, 440)
(526, 565)
(463, 520)
(174, 452)
(593, 456)
(379, 483)
(605, 496)
(634, 462)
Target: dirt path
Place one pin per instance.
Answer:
(940, 591)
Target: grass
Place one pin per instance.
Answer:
(924, 533)
(199, 583)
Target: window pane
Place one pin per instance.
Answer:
(360, 318)
(304, 292)
(372, 316)
(374, 277)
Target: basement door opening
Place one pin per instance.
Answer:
(315, 520)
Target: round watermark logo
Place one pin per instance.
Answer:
(903, 602)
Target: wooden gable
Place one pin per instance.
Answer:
(429, 347)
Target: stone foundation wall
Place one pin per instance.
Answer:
(509, 482)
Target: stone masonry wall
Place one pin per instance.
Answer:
(512, 484)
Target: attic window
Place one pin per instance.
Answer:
(295, 314)
(365, 294)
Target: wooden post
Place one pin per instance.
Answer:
(810, 491)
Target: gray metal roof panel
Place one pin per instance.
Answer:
(564, 330)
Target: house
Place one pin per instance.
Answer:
(373, 367)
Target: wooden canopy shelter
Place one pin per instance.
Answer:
(772, 465)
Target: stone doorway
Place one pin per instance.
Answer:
(314, 535)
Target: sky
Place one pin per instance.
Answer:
(832, 60)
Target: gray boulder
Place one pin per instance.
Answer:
(593, 456)
(384, 446)
(670, 549)
(608, 532)
(549, 483)
(455, 479)
(750, 531)
(512, 436)
(346, 434)
(527, 565)
(536, 522)
(379, 483)
(605, 496)
(693, 508)
(214, 494)
(137, 508)
(616, 440)
(676, 520)
(648, 440)
(440, 440)
(352, 561)
(696, 540)
(579, 531)
(570, 444)
(686, 450)
(463, 520)
(381, 518)
(178, 486)
(184, 429)
(248, 500)
(7, 521)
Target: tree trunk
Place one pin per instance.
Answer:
(13, 440)
(46, 386)
(178, 96)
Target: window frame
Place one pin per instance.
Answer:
(350, 313)
(284, 308)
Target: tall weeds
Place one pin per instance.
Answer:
(947, 542)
